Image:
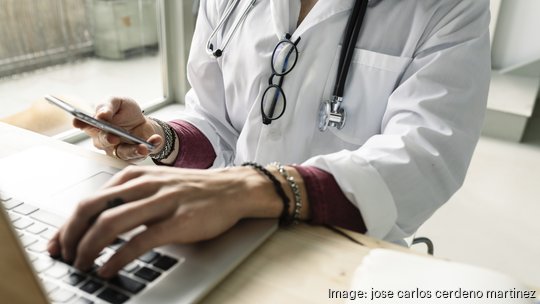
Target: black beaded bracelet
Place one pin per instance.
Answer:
(170, 140)
(285, 218)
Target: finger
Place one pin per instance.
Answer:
(53, 247)
(156, 140)
(80, 124)
(128, 173)
(131, 151)
(108, 110)
(107, 140)
(88, 210)
(139, 151)
(116, 221)
(72, 231)
(86, 128)
(155, 236)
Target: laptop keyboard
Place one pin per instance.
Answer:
(65, 284)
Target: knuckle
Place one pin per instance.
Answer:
(84, 207)
(147, 182)
(131, 170)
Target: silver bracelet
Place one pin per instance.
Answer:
(170, 140)
(294, 187)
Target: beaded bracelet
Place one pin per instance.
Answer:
(294, 187)
(170, 140)
(284, 219)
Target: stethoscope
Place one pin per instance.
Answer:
(231, 6)
(331, 112)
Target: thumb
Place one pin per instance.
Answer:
(104, 112)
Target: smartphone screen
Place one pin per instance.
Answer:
(102, 125)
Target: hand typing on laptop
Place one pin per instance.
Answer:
(176, 206)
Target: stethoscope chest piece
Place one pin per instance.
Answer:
(331, 114)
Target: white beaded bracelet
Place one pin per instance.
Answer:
(294, 187)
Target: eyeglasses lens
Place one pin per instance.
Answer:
(284, 58)
(273, 103)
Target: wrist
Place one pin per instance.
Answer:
(156, 129)
(257, 199)
(279, 189)
(298, 196)
(169, 143)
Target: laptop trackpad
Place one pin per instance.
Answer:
(52, 179)
(64, 202)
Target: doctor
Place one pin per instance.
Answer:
(391, 144)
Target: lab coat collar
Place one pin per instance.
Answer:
(323, 10)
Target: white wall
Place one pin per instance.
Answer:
(494, 7)
(517, 38)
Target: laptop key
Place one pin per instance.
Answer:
(149, 257)
(42, 264)
(131, 267)
(147, 274)
(127, 284)
(113, 296)
(32, 257)
(4, 197)
(10, 204)
(13, 217)
(103, 258)
(61, 296)
(37, 228)
(38, 247)
(25, 209)
(48, 218)
(27, 240)
(57, 271)
(82, 300)
(23, 223)
(48, 234)
(74, 278)
(165, 262)
(49, 286)
(91, 286)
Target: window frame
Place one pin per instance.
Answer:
(176, 20)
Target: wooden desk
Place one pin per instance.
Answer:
(296, 265)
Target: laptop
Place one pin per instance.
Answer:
(39, 189)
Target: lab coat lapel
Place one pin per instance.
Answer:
(323, 10)
(280, 16)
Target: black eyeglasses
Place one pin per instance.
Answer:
(284, 59)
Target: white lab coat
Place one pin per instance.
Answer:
(415, 99)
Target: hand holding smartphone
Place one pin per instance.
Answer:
(100, 124)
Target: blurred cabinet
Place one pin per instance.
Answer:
(123, 27)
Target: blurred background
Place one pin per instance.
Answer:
(84, 50)
(90, 50)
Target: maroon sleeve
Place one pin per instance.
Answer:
(196, 151)
(328, 204)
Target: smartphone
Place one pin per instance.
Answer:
(102, 125)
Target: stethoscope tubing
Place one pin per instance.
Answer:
(228, 11)
(349, 44)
